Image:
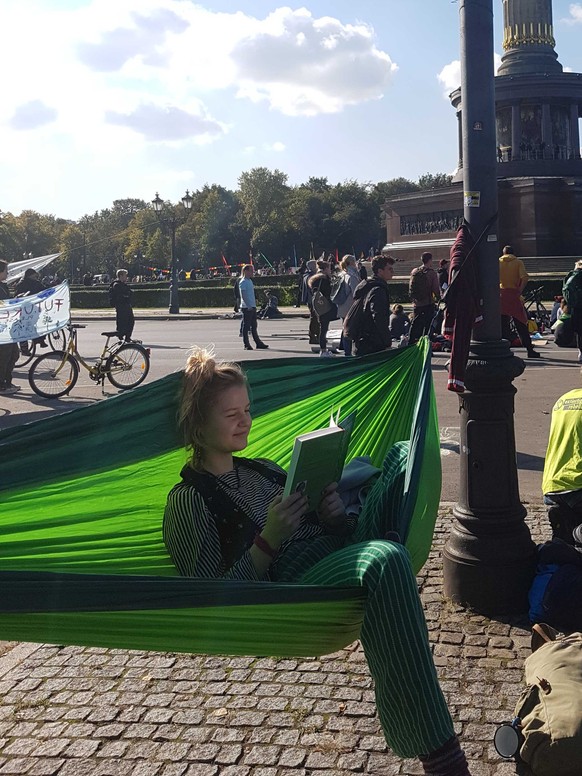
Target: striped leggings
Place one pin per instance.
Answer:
(411, 707)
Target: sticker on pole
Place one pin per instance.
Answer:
(472, 199)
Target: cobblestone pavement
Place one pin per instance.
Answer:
(69, 711)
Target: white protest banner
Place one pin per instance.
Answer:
(28, 317)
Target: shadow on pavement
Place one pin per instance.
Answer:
(534, 463)
(10, 418)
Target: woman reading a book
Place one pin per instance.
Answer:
(227, 518)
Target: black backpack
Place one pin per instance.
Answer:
(572, 289)
(555, 596)
(355, 321)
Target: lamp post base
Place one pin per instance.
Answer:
(489, 558)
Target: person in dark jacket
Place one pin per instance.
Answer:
(424, 290)
(306, 299)
(30, 284)
(9, 351)
(399, 322)
(120, 298)
(375, 330)
(321, 282)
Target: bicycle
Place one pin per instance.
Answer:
(27, 348)
(535, 308)
(124, 364)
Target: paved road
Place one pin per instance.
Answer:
(73, 711)
(169, 340)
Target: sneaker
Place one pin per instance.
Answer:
(261, 346)
(9, 389)
(248, 347)
(533, 354)
(326, 354)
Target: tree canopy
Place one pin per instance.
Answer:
(265, 216)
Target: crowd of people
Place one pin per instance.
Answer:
(369, 323)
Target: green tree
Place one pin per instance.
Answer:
(355, 222)
(157, 251)
(216, 228)
(438, 181)
(263, 196)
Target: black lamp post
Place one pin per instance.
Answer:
(489, 558)
(158, 205)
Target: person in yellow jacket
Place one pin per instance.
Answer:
(562, 477)
(512, 280)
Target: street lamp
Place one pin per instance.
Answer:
(489, 558)
(26, 255)
(158, 205)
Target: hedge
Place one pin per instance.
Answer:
(200, 295)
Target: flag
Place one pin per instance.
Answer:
(225, 262)
(266, 259)
(295, 255)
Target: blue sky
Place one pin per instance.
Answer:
(105, 99)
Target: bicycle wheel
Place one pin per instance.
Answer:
(128, 366)
(53, 374)
(57, 339)
(26, 352)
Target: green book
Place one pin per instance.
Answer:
(318, 459)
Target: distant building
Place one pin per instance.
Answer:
(538, 109)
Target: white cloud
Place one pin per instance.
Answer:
(97, 87)
(450, 76)
(304, 66)
(32, 114)
(105, 59)
(168, 124)
(575, 11)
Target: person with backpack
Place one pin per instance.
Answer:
(512, 280)
(322, 305)
(423, 289)
(572, 293)
(367, 323)
(120, 298)
(306, 298)
(343, 294)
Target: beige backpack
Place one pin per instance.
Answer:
(550, 709)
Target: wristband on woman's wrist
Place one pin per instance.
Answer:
(264, 546)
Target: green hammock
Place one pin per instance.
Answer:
(81, 556)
